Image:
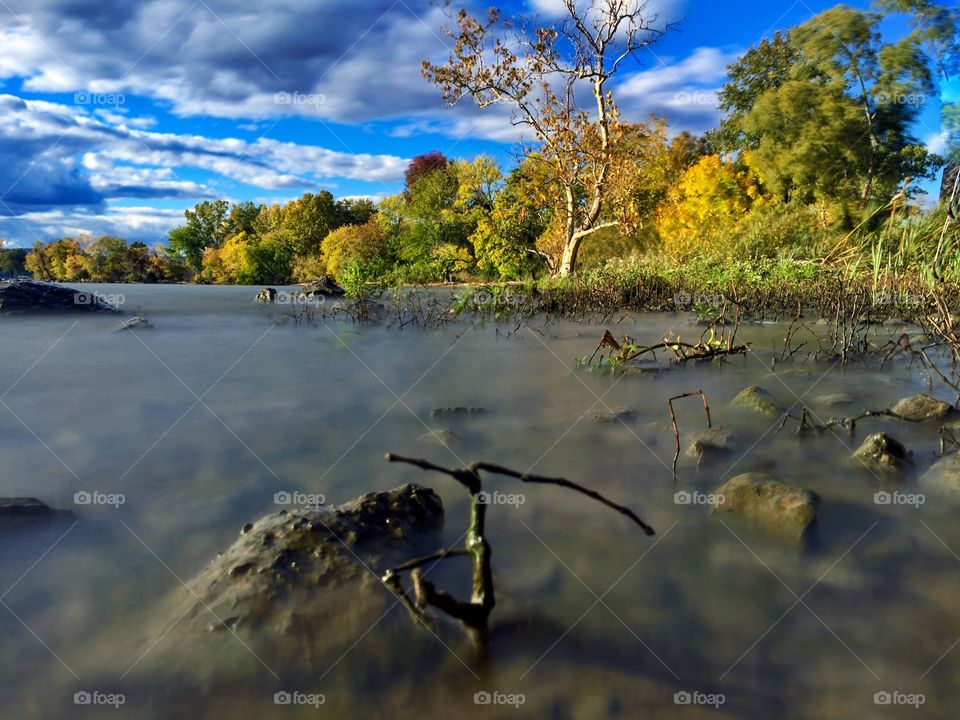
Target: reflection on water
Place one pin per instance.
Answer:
(200, 420)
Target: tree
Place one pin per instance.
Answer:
(765, 67)
(423, 165)
(539, 76)
(705, 207)
(353, 242)
(12, 260)
(206, 227)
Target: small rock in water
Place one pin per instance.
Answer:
(774, 506)
(137, 322)
(794, 373)
(710, 444)
(615, 414)
(16, 509)
(923, 407)
(441, 437)
(266, 296)
(456, 412)
(881, 453)
(833, 400)
(757, 400)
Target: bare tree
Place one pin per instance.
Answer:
(540, 73)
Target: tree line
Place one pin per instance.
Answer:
(815, 157)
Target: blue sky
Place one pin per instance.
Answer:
(115, 116)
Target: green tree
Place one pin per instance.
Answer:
(206, 227)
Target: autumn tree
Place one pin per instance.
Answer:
(540, 76)
(423, 165)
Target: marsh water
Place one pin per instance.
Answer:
(200, 420)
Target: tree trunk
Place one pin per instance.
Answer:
(568, 261)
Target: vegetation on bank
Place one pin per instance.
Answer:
(811, 177)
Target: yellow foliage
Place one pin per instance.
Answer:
(705, 208)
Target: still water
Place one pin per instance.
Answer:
(200, 420)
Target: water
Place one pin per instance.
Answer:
(200, 420)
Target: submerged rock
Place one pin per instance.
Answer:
(32, 296)
(266, 296)
(440, 437)
(780, 509)
(456, 412)
(756, 399)
(923, 407)
(615, 414)
(881, 453)
(323, 285)
(710, 444)
(138, 322)
(28, 509)
(833, 400)
(944, 474)
(301, 554)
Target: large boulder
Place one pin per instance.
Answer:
(881, 453)
(943, 475)
(756, 399)
(24, 296)
(923, 407)
(322, 286)
(284, 565)
(775, 507)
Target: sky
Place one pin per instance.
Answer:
(115, 116)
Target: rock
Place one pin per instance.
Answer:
(135, 323)
(756, 399)
(778, 508)
(266, 296)
(32, 296)
(282, 565)
(20, 509)
(456, 412)
(791, 373)
(440, 437)
(944, 474)
(323, 285)
(615, 414)
(710, 444)
(881, 453)
(833, 400)
(923, 407)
